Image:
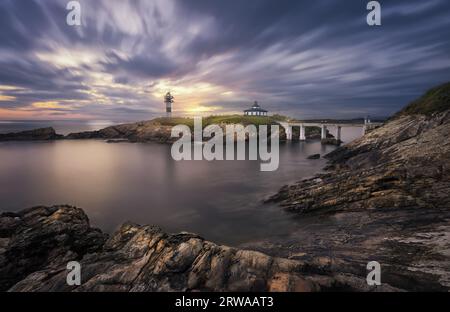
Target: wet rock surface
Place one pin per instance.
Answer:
(36, 245)
(385, 197)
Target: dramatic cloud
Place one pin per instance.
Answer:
(301, 58)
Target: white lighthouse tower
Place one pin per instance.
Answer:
(168, 100)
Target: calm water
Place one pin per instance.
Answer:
(114, 183)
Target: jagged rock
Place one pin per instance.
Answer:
(43, 237)
(387, 196)
(43, 134)
(37, 243)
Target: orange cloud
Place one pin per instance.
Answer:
(48, 105)
(6, 98)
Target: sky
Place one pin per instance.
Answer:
(305, 59)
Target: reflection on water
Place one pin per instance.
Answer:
(113, 183)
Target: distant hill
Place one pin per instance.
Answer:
(433, 101)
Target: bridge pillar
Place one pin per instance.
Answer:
(324, 132)
(289, 133)
(302, 133)
(338, 133)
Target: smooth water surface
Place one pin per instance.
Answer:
(114, 183)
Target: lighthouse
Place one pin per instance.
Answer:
(168, 100)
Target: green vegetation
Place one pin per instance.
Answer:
(173, 121)
(221, 119)
(433, 101)
(239, 119)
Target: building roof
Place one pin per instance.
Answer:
(255, 108)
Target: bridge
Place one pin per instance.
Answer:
(324, 125)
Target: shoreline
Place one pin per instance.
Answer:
(383, 197)
(143, 258)
(155, 130)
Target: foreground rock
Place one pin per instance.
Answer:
(37, 243)
(43, 238)
(386, 198)
(44, 134)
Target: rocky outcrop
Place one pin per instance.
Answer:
(43, 134)
(385, 197)
(160, 132)
(157, 130)
(145, 131)
(36, 245)
(43, 238)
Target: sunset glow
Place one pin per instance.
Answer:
(126, 55)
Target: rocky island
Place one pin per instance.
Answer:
(156, 130)
(43, 134)
(384, 197)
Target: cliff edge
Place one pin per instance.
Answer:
(387, 196)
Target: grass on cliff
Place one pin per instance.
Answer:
(221, 119)
(239, 119)
(433, 101)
